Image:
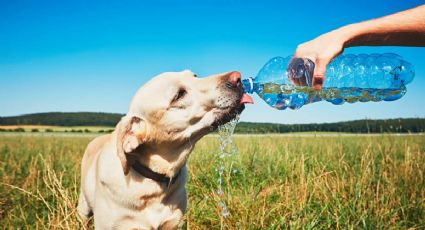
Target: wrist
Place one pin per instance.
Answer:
(349, 33)
(358, 34)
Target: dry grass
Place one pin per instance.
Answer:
(280, 182)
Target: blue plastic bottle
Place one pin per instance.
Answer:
(286, 82)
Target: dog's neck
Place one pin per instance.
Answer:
(162, 160)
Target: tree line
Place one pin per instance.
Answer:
(64, 119)
(401, 125)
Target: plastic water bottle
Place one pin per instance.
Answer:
(287, 82)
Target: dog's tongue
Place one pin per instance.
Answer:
(246, 99)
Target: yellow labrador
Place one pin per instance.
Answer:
(135, 177)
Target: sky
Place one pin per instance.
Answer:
(92, 56)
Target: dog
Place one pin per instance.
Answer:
(134, 178)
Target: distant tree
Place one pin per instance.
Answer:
(64, 119)
(50, 130)
(34, 130)
(107, 119)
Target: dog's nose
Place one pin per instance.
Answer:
(235, 78)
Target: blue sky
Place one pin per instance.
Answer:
(93, 56)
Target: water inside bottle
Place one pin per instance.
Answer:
(294, 97)
(225, 160)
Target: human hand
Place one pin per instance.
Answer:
(321, 51)
(405, 28)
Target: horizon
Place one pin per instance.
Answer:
(78, 56)
(261, 122)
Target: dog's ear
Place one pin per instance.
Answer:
(130, 134)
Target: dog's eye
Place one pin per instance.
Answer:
(195, 75)
(180, 94)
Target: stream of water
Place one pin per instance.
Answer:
(225, 161)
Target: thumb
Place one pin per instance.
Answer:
(319, 74)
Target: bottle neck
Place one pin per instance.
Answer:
(248, 85)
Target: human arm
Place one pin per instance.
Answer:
(406, 28)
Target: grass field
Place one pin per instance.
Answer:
(367, 182)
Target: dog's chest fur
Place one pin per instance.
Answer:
(133, 199)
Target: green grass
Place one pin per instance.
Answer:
(281, 182)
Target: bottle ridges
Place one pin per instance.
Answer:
(287, 82)
(284, 96)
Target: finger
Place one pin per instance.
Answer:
(319, 74)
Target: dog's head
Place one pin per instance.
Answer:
(177, 108)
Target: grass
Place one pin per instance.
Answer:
(280, 182)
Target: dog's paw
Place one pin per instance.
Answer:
(130, 144)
